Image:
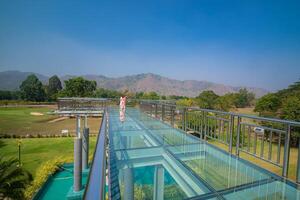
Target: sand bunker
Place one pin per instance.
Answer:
(58, 119)
(36, 113)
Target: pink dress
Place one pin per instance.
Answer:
(122, 103)
(122, 108)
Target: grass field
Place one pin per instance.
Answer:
(247, 111)
(35, 151)
(21, 121)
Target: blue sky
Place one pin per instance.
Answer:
(240, 43)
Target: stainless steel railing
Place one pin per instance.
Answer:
(266, 139)
(97, 175)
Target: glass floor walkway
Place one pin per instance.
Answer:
(149, 159)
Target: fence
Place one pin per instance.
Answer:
(266, 139)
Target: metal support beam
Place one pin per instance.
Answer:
(85, 144)
(85, 148)
(128, 184)
(158, 191)
(78, 134)
(77, 164)
(86, 121)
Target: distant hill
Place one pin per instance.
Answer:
(10, 80)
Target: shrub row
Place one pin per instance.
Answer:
(47, 169)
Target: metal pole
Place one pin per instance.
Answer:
(78, 134)
(77, 164)
(158, 191)
(85, 121)
(183, 119)
(128, 184)
(298, 163)
(172, 117)
(231, 129)
(286, 156)
(77, 157)
(156, 110)
(85, 144)
(205, 120)
(162, 112)
(85, 148)
(238, 136)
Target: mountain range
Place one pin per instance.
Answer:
(10, 80)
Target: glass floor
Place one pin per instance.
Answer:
(149, 159)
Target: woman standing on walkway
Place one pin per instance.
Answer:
(122, 108)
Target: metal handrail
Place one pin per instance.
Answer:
(97, 175)
(209, 123)
(291, 122)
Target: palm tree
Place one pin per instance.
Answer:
(13, 179)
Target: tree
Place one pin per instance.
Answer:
(291, 108)
(5, 95)
(225, 102)
(106, 93)
(32, 89)
(207, 99)
(151, 95)
(268, 105)
(243, 98)
(163, 97)
(54, 87)
(185, 102)
(79, 87)
(13, 179)
(284, 104)
(139, 95)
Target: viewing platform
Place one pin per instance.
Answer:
(162, 151)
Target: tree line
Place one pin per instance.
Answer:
(284, 104)
(210, 100)
(32, 89)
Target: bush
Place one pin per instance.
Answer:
(44, 171)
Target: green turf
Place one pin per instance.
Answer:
(19, 121)
(14, 119)
(35, 151)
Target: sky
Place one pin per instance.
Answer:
(238, 43)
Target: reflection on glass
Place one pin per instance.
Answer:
(122, 115)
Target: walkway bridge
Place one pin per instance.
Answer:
(161, 151)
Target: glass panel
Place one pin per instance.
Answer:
(149, 158)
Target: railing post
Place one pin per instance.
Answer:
(237, 152)
(286, 155)
(298, 163)
(162, 112)
(183, 118)
(156, 110)
(205, 121)
(172, 116)
(231, 130)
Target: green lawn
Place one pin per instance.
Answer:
(35, 151)
(20, 121)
